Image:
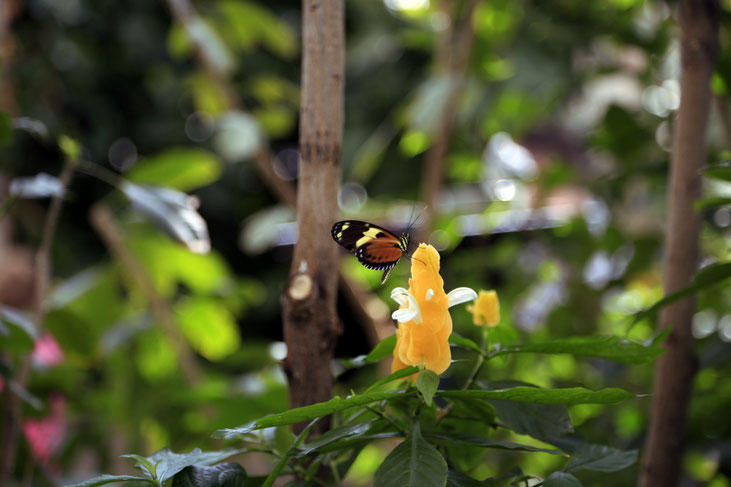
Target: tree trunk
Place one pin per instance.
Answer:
(674, 371)
(311, 324)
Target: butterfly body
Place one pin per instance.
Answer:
(374, 247)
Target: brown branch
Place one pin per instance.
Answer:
(452, 60)
(43, 256)
(13, 407)
(311, 325)
(105, 224)
(674, 370)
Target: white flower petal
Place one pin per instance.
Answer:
(405, 315)
(399, 295)
(429, 294)
(460, 295)
(411, 307)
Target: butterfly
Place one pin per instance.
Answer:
(374, 247)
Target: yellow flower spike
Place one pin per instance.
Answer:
(422, 338)
(486, 310)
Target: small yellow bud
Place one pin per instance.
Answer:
(486, 310)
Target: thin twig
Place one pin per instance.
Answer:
(43, 256)
(453, 54)
(11, 429)
(105, 224)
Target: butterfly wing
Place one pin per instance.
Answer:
(379, 255)
(374, 247)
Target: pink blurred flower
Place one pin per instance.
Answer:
(47, 352)
(45, 435)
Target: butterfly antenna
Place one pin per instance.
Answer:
(411, 224)
(408, 225)
(414, 258)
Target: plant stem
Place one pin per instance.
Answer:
(479, 363)
(482, 356)
(112, 234)
(11, 429)
(389, 420)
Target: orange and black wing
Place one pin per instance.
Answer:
(374, 247)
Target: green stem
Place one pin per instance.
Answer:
(100, 172)
(478, 363)
(482, 356)
(378, 413)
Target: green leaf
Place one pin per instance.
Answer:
(607, 347)
(501, 336)
(248, 24)
(285, 458)
(719, 172)
(561, 479)
(569, 396)
(82, 307)
(178, 43)
(170, 264)
(538, 421)
(399, 374)
(6, 129)
(174, 212)
(457, 479)
(182, 168)
(209, 327)
(108, 479)
(427, 382)
(713, 202)
(208, 96)
(355, 441)
(307, 413)
(413, 463)
(17, 332)
(384, 349)
(713, 274)
(70, 147)
(414, 142)
(143, 464)
(335, 434)
(464, 342)
(165, 464)
(602, 459)
(208, 458)
(227, 474)
(707, 276)
(481, 441)
(276, 121)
